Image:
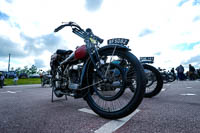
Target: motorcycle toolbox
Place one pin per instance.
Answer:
(54, 60)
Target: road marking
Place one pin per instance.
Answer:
(188, 87)
(163, 89)
(188, 94)
(87, 111)
(8, 92)
(167, 84)
(112, 125)
(11, 91)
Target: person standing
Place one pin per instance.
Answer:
(191, 72)
(1, 80)
(172, 71)
(180, 72)
(15, 80)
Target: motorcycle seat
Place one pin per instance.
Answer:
(63, 52)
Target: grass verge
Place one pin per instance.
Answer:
(23, 81)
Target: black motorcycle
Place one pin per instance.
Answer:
(167, 76)
(154, 79)
(89, 73)
(46, 80)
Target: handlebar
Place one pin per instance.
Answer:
(89, 31)
(67, 24)
(79, 31)
(59, 28)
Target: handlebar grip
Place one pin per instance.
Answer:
(88, 30)
(60, 27)
(99, 39)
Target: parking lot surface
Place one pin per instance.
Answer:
(28, 109)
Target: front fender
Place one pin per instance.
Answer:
(110, 46)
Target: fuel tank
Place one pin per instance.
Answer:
(81, 52)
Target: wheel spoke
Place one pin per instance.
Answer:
(107, 95)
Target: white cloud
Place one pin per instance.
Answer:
(171, 25)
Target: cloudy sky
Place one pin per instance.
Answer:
(169, 30)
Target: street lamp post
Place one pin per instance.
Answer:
(9, 63)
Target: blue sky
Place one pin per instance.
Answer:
(166, 29)
(3, 16)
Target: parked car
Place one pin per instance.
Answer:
(34, 76)
(3, 73)
(23, 75)
(11, 74)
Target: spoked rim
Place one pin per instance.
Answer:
(120, 100)
(116, 80)
(151, 81)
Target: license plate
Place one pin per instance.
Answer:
(147, 59)
(121, 41)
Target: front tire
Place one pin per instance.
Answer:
(133, 90)
(165, 77)
(155, 82)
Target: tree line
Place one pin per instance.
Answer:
(28, 70)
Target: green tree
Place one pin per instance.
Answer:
(25, 70)
(12, 68)
(33, 69)
(18, 70)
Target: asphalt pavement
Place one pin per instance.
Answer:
(28, 109)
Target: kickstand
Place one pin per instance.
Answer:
(52, 95)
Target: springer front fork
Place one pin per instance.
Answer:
(97, 61)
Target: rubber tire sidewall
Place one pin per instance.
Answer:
(139, 94)
(159, 80)
(172, 78)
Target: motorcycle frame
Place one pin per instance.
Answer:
(93, 51)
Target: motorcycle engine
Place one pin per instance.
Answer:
(74, 77)
(73, 73)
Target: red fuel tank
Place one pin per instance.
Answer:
(81, 52)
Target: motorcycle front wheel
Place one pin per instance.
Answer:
(124, 89)
(165, 77)
(154, 81)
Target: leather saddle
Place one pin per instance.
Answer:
(63, 52)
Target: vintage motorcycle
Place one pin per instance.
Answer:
(45, 80)
(89, 73)
(154, 79)
(167, 76)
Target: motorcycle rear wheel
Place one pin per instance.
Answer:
(172, 77)
(133, 92)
